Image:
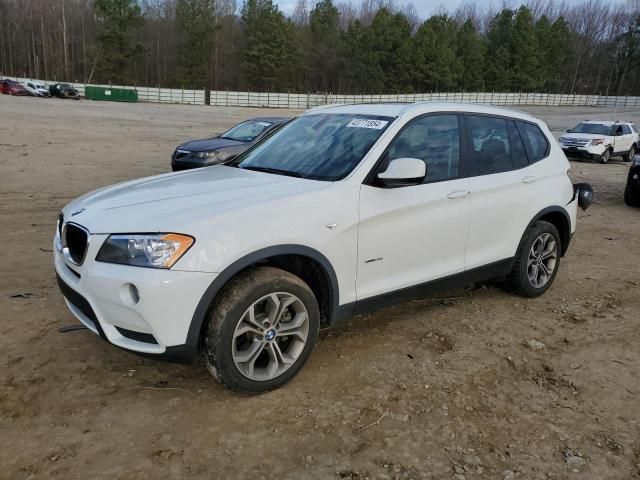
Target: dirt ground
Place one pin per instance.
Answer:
(441, 388)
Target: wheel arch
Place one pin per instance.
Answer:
(560, 219)
(309, 264)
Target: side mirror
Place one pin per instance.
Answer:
(584, 192)
(403, 172)
(568, 130)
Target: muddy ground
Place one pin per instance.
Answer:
(440, 388)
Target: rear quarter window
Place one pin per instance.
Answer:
(535, 141)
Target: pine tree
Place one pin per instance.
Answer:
(524, 48)
(498, 61)
(389, 52)
(437, 65)
(325, 47)
(118, 48)
(470, 52)
(195, 22)
(270, 51)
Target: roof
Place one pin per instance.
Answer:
(608, 122)
(270, 119)
(398, 109)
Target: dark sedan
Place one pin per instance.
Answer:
(63, 90)
(225, 147)
(632, 190)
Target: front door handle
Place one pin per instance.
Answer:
(529, 179)
(458, 194)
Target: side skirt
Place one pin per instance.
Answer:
(370, 304)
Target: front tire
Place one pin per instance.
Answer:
(537, 261)
(606, 155)
(261, 331)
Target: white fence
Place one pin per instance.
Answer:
(308, 100)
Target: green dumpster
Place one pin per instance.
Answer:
(110, 94)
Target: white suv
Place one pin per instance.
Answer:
(600, 140)
(343, 209)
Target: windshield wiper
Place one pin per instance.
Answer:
(275, 171)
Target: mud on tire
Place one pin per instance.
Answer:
(246, 347)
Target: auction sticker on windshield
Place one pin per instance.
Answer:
(366, 123)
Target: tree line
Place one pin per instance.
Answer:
(376, 46)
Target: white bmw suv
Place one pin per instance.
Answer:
(344, 209)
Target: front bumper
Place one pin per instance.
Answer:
(586, 151)
(188, 162)
(157, 324)
(633, 179)
(185, 164)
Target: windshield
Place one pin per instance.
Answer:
(319, 146)
(246, 131)
(594, 128)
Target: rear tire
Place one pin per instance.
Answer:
(261, 331)
(537, 261)
(629, 156)
(631, 197)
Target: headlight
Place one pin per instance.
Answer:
(596, 141)
(636, 161)
(206, 154)
(159, 250)
(219, 155)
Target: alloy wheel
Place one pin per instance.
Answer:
(270, 336)
(542, 260)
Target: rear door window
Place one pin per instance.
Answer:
(518, 151)
(626, 130)
(535, 141)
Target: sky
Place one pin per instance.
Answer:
(426, 7)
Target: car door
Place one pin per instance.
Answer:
(413, 234)
(628, 137)
(620, 139)
(506, 190)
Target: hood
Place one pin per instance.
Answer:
(589, 136)
(174, 202)
(209, 144)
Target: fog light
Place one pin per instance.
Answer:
(129, 294)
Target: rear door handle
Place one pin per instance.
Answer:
(529, 179)
(458, 194)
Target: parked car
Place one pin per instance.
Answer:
(37, 89)
(601, 140)
(632, 190)
(341, 210)
(10, 87)
(225, 147)
(63, 90)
